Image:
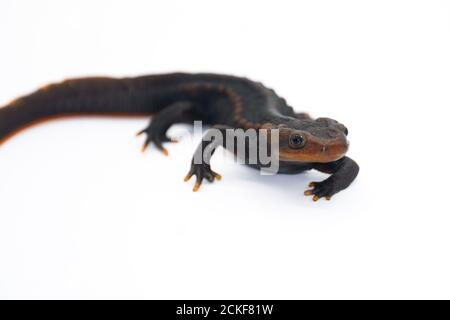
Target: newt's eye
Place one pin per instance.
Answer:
(296, 141)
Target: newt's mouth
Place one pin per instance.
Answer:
(316, 150)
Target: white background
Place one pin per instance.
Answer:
(84, 214)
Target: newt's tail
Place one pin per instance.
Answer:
(83, 96)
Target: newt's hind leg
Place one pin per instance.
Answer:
(179, 112)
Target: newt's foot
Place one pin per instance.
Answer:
(324, 189)
(201, 171)
(157, 138)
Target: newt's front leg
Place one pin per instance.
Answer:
(200, 165)
(343, 172)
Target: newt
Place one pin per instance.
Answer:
(221, 101)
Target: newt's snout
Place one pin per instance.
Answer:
(333, 150)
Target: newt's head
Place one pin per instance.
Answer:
(322, 140)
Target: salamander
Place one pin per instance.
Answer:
(220, 101)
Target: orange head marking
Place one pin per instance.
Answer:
(322, 140)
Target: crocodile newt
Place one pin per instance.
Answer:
(220, 101)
